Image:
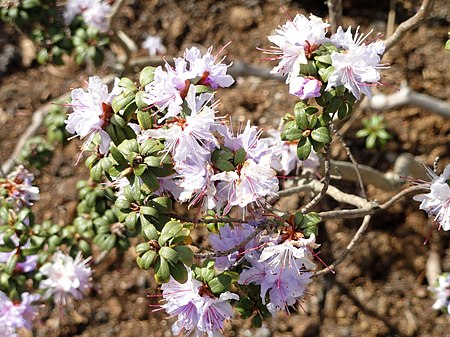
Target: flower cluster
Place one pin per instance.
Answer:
(441, 292)
(437, 202)
(14, 316)
(94, 12)
(198, 309)
(91, 112)
(19, 188)
(315, 63)
(65, 277)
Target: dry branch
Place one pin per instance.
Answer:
(407, 96)
(411, 23)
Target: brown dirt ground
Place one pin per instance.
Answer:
(381, 289)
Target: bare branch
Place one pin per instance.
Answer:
(407, 96)
(411, 23)
(359, 233)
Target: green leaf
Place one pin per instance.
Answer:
(239, 156)
(185, 254)
(301, 119)
(325, 73)
(220, 284)
(150, 180)
(292, 134)
(169, 254)
(130, 221)
(179, 272)
(162, 204)
(148, 229)
(146, 76)
(224, 165)
(146, 260)
(141, 248)
(144, 119)
(362, 133)
(321, 135)
(162, 270)
(370, 141)
(105, 241)
(303, 148)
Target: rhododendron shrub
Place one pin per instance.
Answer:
(160, 141)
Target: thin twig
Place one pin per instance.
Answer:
(358, 235)
(352, 159)
(326, 181)
(335, 14)
(411, 23)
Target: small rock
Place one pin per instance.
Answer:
(242, 18)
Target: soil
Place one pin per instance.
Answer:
(380, 289)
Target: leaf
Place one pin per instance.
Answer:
(179, 272)
(150, 180)
(224, 165)
(220, 284)
(301, 119)
(169, 254)
(145, 261)
(303, 149)
(325, 73)
(185, 254)
(144, 119)
(239, 156)
(162, 204)
(162, 270)
(321, 135)
(146, 76)
(292, 134)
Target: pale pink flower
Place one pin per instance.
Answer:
(91, 112)
(437, 202)
(356, 68)
(295, 41)
(95, 13)
(154, 45)
(305, 87)
(65, 277)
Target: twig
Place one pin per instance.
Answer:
(409, 24)
(407, 96)
(236, 247)
(352, 159)
(36, 121)
(335, 14)
(326, 181)
(359, 233)
(369, 207)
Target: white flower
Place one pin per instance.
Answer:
(437, 202)
(198, 312)
(295, 41)
(94, 12)
(19, 186)
(91, 112)
(249, 184)
(154, 45)
(442, 293)
(65, 276)
(356, 68)
(16, 315)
